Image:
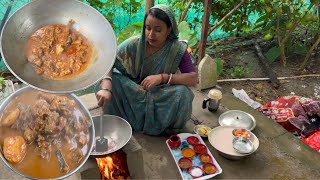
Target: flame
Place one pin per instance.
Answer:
(108, 169)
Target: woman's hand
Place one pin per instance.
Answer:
(103, 97)
(151, 81)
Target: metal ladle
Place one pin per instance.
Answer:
(101, 142)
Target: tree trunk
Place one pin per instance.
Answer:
(204, 32)
(149, 4)
(306, 60)
(283, 58)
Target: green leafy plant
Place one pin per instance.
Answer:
(129, 31)
(273, 54)
(238, 71)
(285, 21)
(219, 63)
(2, 85)
(185, 34)
(117, 11)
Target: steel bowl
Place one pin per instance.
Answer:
(34, 15)
(221, 138)
(85, 112)
(242, 145)
(237, 119)
(116, 129)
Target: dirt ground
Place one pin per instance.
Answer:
(262, 90)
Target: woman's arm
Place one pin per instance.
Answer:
(104, 95)
(188, 79)
(188, 74)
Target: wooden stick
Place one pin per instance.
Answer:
(185, 12)
(306, 59)
(262, 79)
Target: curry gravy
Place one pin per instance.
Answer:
(58, 52)
(33, 164)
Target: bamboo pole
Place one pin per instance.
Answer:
(264, 79)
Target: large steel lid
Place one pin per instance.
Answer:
(237, 119)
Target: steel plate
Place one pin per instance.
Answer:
(116, 129)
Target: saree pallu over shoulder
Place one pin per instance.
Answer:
(127, 61)
(130, 59)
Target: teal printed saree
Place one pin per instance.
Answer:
(164, 107)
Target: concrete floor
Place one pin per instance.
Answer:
(280, 155)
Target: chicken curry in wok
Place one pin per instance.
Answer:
(44, 135)
(58, 52)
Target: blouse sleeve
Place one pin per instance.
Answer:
(186, 65)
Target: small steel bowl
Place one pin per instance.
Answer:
(242, 132)
(242, 145)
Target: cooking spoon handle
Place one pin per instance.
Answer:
(101, 125)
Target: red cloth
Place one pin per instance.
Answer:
(313, 141)
(284, 109)
(298, 115)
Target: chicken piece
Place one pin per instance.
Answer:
(14, 148)
(44, 147)
(46, 96)
(67, 32)
(11, 118)
(62, 103)
(29, 135)
(75, 155)
(62, 122)
(40, 108)
(51, 124)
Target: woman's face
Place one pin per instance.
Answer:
(156, 32)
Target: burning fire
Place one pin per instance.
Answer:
(110, 170)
